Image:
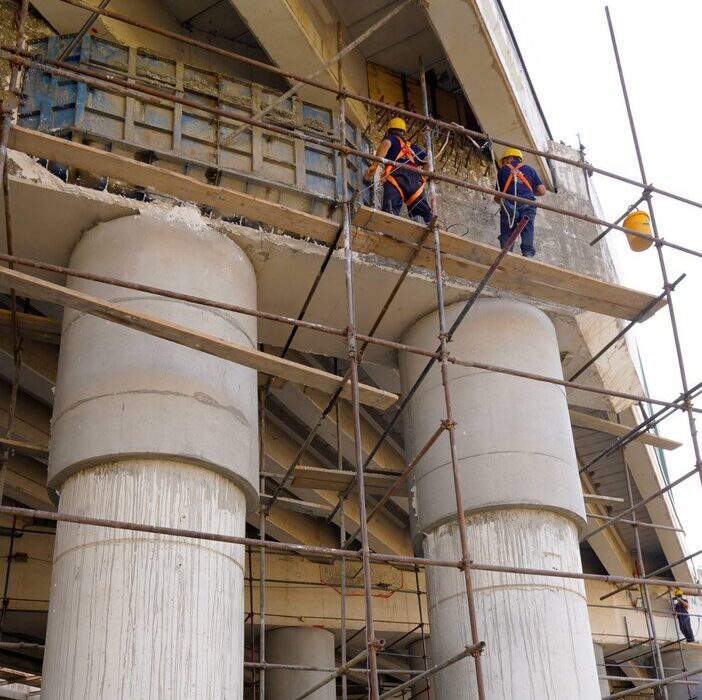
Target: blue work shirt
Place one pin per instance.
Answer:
(395, 150)
(522, 190)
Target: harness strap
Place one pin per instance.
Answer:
(409, 154)
(416, 195)
(519, 174)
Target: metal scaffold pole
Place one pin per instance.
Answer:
(9, 107)
(372, 644)
(645, 595)
(263, 394)
(450, 423)
(667, 287)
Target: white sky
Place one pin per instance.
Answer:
(568, 53)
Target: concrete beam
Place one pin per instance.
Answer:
(384, 535)
(484, 59)
(607, 545)
(66, 19)
(648, 477)
(307, 407)
(301, 39)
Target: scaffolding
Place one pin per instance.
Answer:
(414, 245)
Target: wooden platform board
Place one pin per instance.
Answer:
(469, 259)
(375, 232)
(336, 480)
(585, 420)
(266, 363)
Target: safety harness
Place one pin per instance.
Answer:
(515, 173)
(408, 154)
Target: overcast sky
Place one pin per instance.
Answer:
(567, 50)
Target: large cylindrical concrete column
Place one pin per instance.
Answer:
(149, 431)
(300, 646)
(523, 505)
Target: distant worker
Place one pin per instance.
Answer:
(682, 608)
(520, 180)
(402, 184)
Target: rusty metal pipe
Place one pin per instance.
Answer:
(456, 128)
(132, 89)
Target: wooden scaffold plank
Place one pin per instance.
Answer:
(516, 273)
(272, 365)
(375, 232)
(585, 420)
(305, 477)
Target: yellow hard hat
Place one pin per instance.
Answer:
(512, 153)
(678, 592)
(397, 123)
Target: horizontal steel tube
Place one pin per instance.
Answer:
(91, 77)
(456, 128)
(322, 328)
(306, 550)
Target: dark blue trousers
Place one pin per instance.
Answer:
(522, 210)
(392, 199)
(686, 627)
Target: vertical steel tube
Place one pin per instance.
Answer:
(650, 622)
(342, 539)
(371, 642)
(450, 424)
(262, 551)
(659, 250)
(8, 111)
(427, 689)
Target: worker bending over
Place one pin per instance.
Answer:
(520, 180)
(402, 184)
(682, 607)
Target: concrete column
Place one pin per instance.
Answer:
(149, 431)
(304, 646)
(601, 669)
(673, 663)
(523, 503)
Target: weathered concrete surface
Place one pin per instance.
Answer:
(306, 646)
(135, 615)
(149, 431)
(524, 504)
(673, 663)
(116, 384)
(514, 437)
(560, 240)
(536, 629)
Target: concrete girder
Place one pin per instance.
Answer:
(307, 407)
(384, 535)
(648, 477)
(484, 59)
(66, 19)
(299, 38)
(607, 545)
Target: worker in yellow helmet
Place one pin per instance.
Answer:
(682, 612)
(402, 183)
(520, 180)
